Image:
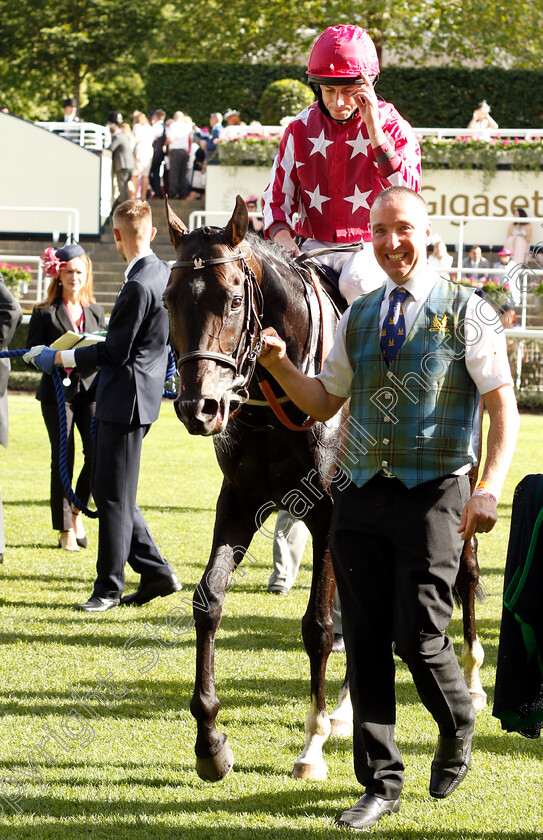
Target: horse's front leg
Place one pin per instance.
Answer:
(234, 528)
(318, 636)
(468, 588)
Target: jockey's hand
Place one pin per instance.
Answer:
(478, 517)
(41, 357)
(273, 348)
(367, 102)
(283, 238)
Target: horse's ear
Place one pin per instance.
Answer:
(175, 224)
(236, 228)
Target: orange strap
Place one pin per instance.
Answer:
(265, 386)
(275, 406)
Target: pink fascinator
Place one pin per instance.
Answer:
(51, 264)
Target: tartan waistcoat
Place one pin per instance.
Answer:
(415, 418)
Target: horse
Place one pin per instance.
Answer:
(225, 287)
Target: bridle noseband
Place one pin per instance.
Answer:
(245, 356)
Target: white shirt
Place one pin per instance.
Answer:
(485, 354)
(179, 133)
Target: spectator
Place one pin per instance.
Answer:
(440, 259)
(71, 119)
(143, 154)
(519, 236)
(476, 260)
(159, 151)
(198, 171)
(336, 157)
(212, 138)
(69, 305)
(232, 120)
(178, 134)
(113, 118)
(256, 224)
(482, 123)
(11, 316)
(123, 162)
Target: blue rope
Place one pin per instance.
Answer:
(63, 426)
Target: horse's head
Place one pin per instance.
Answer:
(214, 303)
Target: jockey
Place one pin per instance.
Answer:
(336, 157)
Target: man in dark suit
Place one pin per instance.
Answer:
(11, 315)
(123, 160)
(132, 362)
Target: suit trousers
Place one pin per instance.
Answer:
(179, 159)
(79, 413)
(396, 553)
(123, 533)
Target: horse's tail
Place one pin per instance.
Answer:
(480, 594)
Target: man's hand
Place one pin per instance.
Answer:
(283, 238)
(273, 348)
(478, 517)
(41, 357)
(367, 102)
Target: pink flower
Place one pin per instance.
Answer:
(51, 264)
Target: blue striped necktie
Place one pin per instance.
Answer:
(393, 329)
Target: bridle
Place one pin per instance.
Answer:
(244, 358)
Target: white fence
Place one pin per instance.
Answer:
(89, 135)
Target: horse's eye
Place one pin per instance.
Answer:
(236, 302)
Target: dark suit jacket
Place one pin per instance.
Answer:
(11, 316)
(121, 151)
(46, 325)
(133, 357)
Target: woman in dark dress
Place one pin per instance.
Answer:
(69, 305)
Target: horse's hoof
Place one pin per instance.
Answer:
(341, 728)
(216, 767)
(478, 698)
(313, 772)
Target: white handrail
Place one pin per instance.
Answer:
(25, 259)
(443, 133)
(89, 135)
(73, 214)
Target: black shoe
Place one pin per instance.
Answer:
(82, 542)
(277, 589)
(338, 645)
(1, 558)
(158, 588)
(96, 604)
(450, 765)
(368, 811)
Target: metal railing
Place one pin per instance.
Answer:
(23, 259)
(444, 133)
(73, 216)
(89, 135)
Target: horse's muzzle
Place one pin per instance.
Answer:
(206, 416)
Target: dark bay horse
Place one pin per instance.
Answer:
(224, 288)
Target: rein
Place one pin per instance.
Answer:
(245, 357)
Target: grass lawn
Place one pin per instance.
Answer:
(124, 769)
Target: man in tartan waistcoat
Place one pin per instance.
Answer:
(411, 357)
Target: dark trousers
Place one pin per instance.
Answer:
(179, 159)
(123, 533)
(79, 413)
(154, 173)
(395, 553)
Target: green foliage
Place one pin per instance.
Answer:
(447, 96)
(284, 98)
(248, 151)
(426, 96)
(199, 88)
(15, 276)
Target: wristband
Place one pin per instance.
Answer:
(487, 495)
(485, 485)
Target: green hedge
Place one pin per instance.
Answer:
(430, 96)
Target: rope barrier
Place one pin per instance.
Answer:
(63, 426)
